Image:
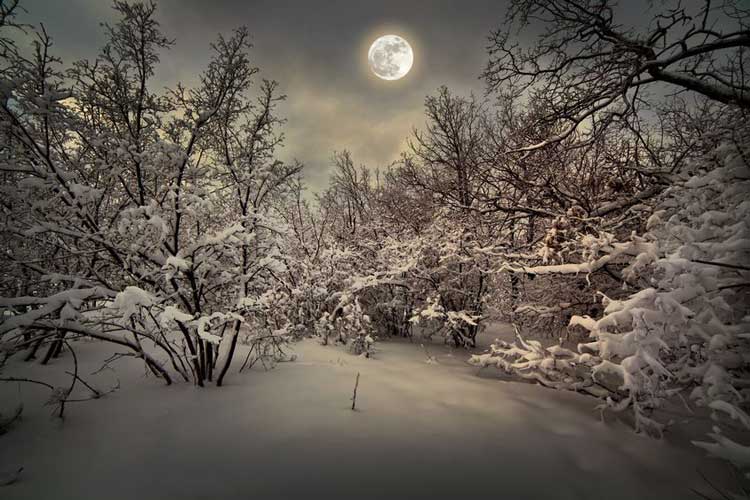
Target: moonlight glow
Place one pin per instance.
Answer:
(390, 57)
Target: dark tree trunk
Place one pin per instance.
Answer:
(201, 358)
(54, 348)
(193, 354)
(209, 361)
(32, 351)
(230, 355)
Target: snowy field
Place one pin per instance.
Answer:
(421, 430)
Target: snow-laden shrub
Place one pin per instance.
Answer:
(146, 228)
(351, 326)
(269, 328)
(539, 287)
(455, 323)
(316, 285)
(445, 275)
(687, 329)
(555, 366)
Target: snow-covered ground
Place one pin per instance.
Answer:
(421, 430)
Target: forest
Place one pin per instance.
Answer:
(580, 230)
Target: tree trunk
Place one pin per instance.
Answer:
(54, 348)
(209, 364)
(230, 355)
(201, 358)
(32, 351)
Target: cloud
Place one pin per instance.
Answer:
(321, 121)
(318, 53)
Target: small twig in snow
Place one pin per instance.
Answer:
(11, 478)
(354, 397)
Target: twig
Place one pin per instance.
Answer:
(11, 478)
(15, 379)
(354, 397)
(73, 381)
(112, 359)
(101, 394)
(721, 264)
(712, 485)
(247, 358)
(95, 392)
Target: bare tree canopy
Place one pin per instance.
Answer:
(588, 67)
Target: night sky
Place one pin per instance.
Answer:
(318, 52)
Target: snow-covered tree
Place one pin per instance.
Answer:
(683, 333)
(662, 250)
(142, 219)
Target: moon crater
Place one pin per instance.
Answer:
(390, 57)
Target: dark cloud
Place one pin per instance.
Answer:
(317, 50)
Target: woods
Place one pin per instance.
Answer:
(595, 197)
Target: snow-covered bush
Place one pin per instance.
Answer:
(140, 218)
(351, 326)
(443, 276)
(686, 330)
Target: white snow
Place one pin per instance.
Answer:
(421, 430)
(130, 300)
(172, 313)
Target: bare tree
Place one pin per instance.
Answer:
(348, 198)
(587, 67)
(449, 152)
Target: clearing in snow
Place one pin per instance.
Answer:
(426, 426)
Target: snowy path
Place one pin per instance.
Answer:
(422, 431)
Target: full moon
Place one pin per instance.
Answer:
(390, 57)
